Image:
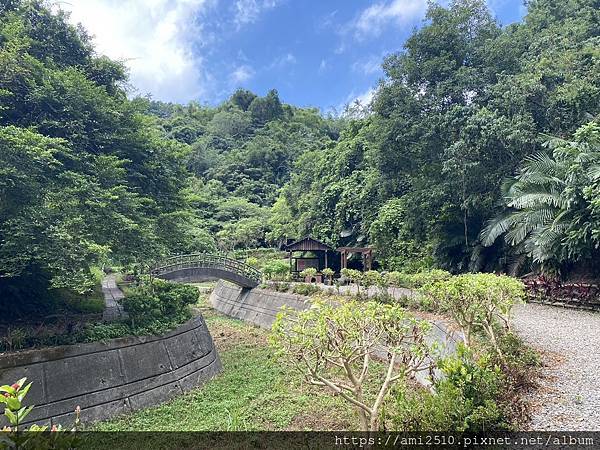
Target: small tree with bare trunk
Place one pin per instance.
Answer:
(334, 342)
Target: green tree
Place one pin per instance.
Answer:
(334, 347)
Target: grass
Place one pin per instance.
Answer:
(255, 391)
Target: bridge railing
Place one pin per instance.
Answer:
(206, 261)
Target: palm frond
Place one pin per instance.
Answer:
(536, 199)
(519, 232)
(594, 172)
(496, 227)
(543, 163)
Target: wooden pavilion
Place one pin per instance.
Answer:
(310, 252)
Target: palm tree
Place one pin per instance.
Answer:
(550, 215)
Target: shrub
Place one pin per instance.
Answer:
(329, 273)
(141, 305)
(276, 269)
(478, 301)
(279, 286)
(252, 261)
(174, 297)
(465, 399)
(309, 272)
(305, 289)
(355, 276)
(158, 299)
(105, 331)
(334, 342)
(372, 278)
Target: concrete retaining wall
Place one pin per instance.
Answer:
(257, 306)
(109, 378)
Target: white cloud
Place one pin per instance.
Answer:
(365, 98)
(154, 38)
(373, 20)
(368, 66)
(248, 11)
(356, 104)
(241, 74)
(286, 60)
(323, 66)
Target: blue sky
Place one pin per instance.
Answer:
(315, 53)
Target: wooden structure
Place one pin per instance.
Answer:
(365, 252)
(319, 255)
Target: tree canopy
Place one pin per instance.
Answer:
(89, 175)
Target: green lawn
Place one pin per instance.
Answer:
(254, 392)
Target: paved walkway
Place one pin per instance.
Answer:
(569, 340)
(114, 311)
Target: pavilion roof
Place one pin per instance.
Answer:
(355, 249)
(307, 244)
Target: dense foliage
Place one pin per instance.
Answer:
(89, 176)
(159, 300)
(554, 215)
(85, 172)
(459, 110)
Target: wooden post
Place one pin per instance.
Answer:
(326, 266)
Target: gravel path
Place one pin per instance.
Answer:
(569, 340)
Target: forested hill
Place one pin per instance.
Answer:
(241, 153)
(89, 176)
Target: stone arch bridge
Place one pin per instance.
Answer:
(198, 267)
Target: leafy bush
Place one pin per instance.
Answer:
(280, 287)
(329, 273)
(141, 305)
(305, 289)
(104, 331)
(309, 272)
(416, 280)
(354, 276)
(276, 269)
(252, 261)
(465, 399)
(478, 302)
(372, 278)
(158, 299)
